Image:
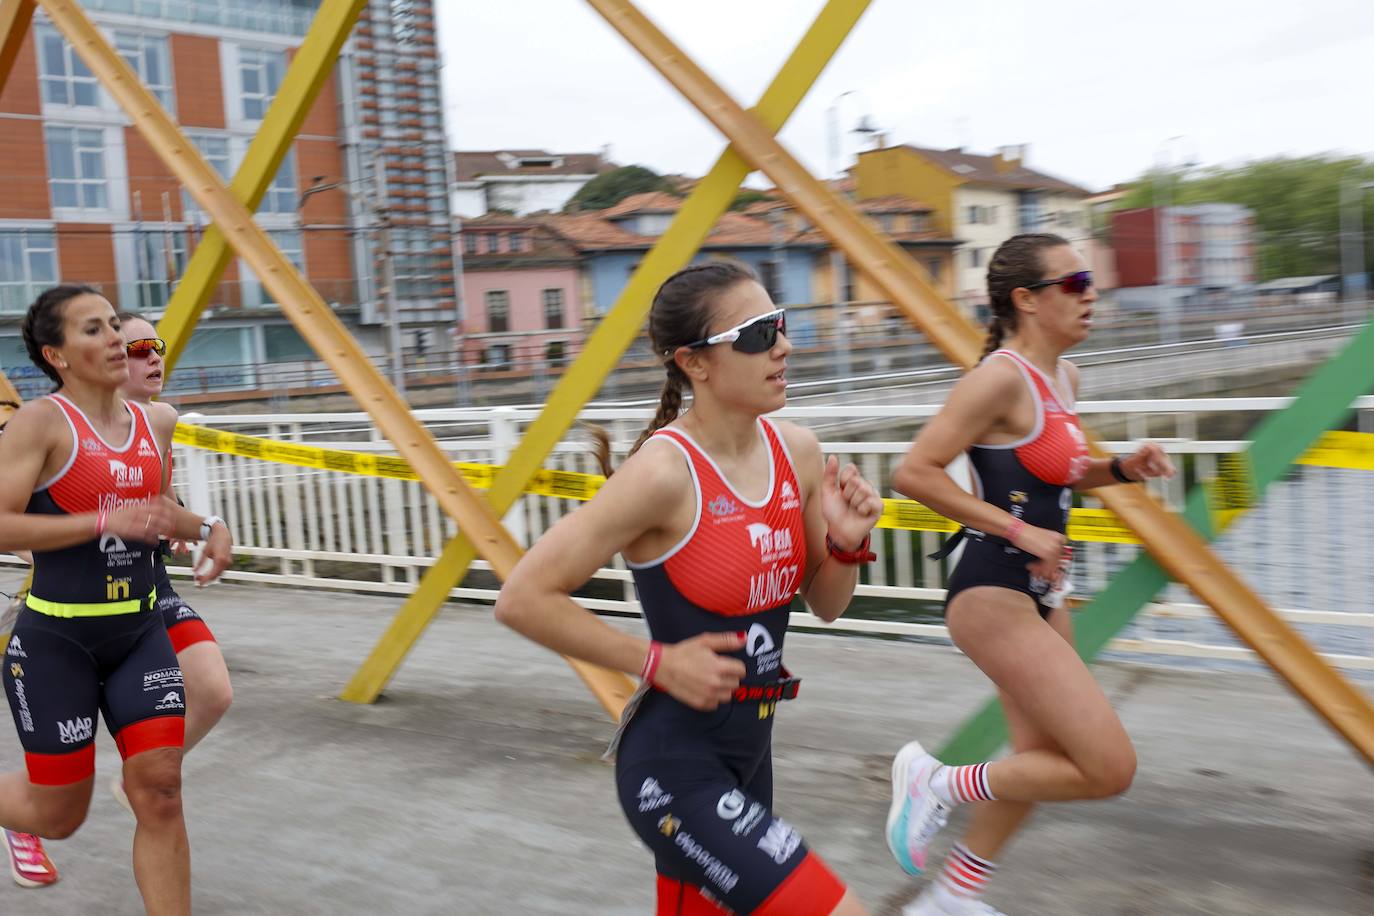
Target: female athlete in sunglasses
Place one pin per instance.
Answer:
(86, 490)
(208, 692)
(1014, 417)
(723, 516)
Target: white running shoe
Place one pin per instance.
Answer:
(117, 790)
(931, 903)
(916, 814)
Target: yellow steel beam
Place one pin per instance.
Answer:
(15, 16)
(612, 337)
(307, 74)
(1170, 539)
(303, 305)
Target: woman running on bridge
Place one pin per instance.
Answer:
(208, 691)
(723, 516)
(1014, 416)
(85, 490)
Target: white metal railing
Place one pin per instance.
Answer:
(1307, 548)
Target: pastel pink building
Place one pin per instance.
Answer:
(522, 291)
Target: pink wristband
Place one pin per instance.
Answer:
(646, 674)
(1014, 530)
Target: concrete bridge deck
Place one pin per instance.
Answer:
(475, 786)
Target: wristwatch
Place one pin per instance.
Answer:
(208, 525)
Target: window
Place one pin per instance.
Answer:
(260, 73)
(497, 356)
(282, 194)
(975, 257)
(76, 168)
(28, 264)
(933, 268)
(888, 221)
(553, 308)
(498, 310)
(973, 215)
(283, 343)
(64, 77)
(159, 258)
(469, 243)
(147, 54)
(215, 151)
(556, 354)
(517, 242)
(292, 244)
(489, 242)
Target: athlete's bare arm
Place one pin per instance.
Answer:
(641, 506)
(1149, 460)
(219, 547)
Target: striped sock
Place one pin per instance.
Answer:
(957, 785)
(965, 875)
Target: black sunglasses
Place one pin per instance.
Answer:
(757, 335)
(1075, 284)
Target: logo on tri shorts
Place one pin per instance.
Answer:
(759, 646)
(162, 679)
(185, 613)
(25, 716)
(16, 669)
(780, 841)
(731, 806)
(117, 553)
(171, 701)
(16, 649)
(74, 731)
(652, 797)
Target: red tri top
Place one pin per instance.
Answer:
(1056, 450)
(98, 477)
(740, 564)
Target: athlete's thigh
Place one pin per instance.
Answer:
(707, 831)
(144, 696)
(53, 685)
(1028, 659)
(1024, 732)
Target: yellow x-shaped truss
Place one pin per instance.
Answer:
(1170, 540)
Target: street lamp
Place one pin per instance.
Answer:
(864, 126)
(1353, 277)
(838, 267)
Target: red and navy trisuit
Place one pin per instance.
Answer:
(1032, 479)
(89, 636)
(698, 786)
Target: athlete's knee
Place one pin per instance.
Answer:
(1113, 772)
(213, 700)
(62, 824)
(152, 781)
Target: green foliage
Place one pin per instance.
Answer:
(610, 188)
(747, 196)
(1296, 202)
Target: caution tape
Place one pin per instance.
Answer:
(1230, 494)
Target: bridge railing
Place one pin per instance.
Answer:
(1306, 549)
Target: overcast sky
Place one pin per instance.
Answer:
(1097, 89)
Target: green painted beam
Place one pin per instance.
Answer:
(1321, 403)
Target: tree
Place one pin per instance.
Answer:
(747, 196)
(610, 188)
(1296, 202)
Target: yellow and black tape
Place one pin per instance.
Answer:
(1231, 493)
